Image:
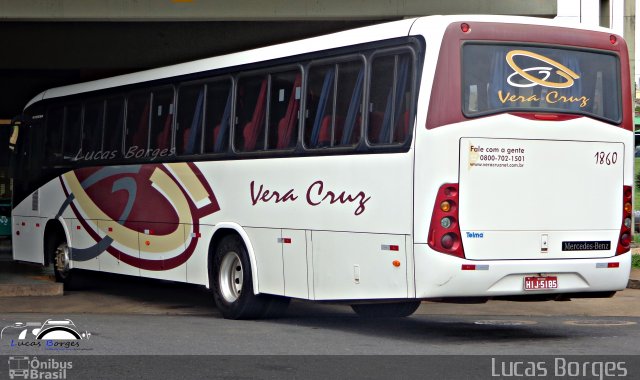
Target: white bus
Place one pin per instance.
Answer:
(431, 158)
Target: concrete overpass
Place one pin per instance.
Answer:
(56, 42)
(252, 10)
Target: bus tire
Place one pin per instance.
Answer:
(59, 251)
(386, 310)
(232, 282)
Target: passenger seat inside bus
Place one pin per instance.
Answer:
(345, 125)
(164, 137)
(139, 139)
(252, 129)
(287, 125)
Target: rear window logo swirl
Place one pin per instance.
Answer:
(545, 71)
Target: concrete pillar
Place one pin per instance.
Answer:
(619, 15)
(629, 34)
(587, 12)
(605, 13)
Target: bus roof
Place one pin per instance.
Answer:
(335, 40)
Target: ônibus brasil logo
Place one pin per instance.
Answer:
(26, 367)
(544, 71)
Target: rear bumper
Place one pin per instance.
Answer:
(440, 275)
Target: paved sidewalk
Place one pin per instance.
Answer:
(19, 279)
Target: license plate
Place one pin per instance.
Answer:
(540, 283)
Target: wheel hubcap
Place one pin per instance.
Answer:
(62, 259)
(230, 277)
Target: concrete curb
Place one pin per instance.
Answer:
(31, 290)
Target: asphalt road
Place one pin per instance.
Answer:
(128, 315)
(328, 330)
(326, 341)
(148, 329)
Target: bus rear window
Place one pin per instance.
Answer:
(502, 78)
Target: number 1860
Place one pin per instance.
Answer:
(606, 158)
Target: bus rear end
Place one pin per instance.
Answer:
(525, 168)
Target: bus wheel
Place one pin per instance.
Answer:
(232, 283)
(61, 262)
(386, 310)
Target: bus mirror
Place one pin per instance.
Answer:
(14, 137)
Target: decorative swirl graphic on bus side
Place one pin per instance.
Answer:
(545, 71)
(133, 201)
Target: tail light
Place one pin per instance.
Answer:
(624, 241)
(444, 232)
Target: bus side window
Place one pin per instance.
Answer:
(189, 120)
(55, 120)
(218, 114)
(72, 131)
(335, 117)
(138, 109)
(250, 113)
(284, 104)
(92, 127)
(113, 123)
(389, 99)
(320, 86)
(349, 103)
(162, 120)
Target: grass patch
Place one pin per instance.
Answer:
(636, 190)
(635, 261)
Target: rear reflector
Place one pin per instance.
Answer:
(607, 265)
(625, 237)
(474, 267)
(444, 232)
